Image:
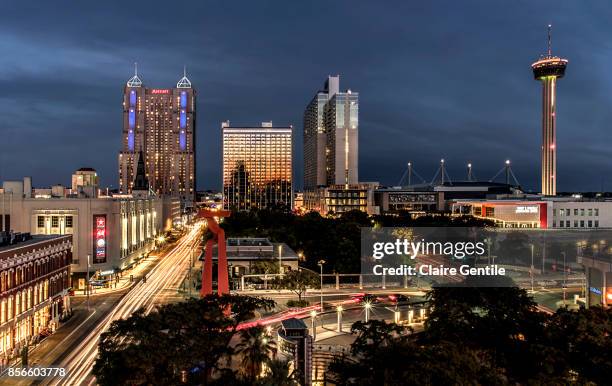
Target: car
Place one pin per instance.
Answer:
(399, 298)
(365, 297)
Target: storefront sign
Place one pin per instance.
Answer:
(99, 225)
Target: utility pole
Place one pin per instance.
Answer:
(531, 270)
(564, 277)
(87, 284)
(321, 262)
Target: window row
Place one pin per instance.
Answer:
(577, 212)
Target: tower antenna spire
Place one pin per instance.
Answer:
(136, 68)
(184, 70)
(549, 41)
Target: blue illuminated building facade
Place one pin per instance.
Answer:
(161, 124)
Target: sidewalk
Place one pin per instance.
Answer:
(124, 282)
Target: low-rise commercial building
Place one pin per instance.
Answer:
(397, 199)
(539, 212)
(110, 233)
(34, 282)
(598, 270)
(336, 199)
(256, 255)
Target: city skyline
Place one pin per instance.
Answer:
(405, 70)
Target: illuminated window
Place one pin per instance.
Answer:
(68, 221)
(54, 221)
(41, 221)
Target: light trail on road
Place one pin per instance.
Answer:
(167, 273)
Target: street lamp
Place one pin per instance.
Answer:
(531, 270)
(564, 277)
(367, 306)
(339, 310)
(488, 241)
(87, 284)
(313, 314)
(280, 258)
(321, 262)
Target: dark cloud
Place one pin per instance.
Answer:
(440, 79)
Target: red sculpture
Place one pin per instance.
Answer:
(219, 238)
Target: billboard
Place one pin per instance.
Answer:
(99, 240)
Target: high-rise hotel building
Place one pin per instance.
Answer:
(160, 123)
(257, 166)
(331, 126)
(331, 152)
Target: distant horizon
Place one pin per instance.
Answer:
(432, 85)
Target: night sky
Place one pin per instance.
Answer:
(436, 79)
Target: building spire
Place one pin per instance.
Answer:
(135, 80)
(549, 41)
(184, 82)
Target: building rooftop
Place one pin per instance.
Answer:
(255, 248)
(27, 241)
(248, 242)
(294, 324)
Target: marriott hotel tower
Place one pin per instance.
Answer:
(160, 123)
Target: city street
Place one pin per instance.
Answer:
(167, 274)
(74, 345)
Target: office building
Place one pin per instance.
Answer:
(257, 166)
(34, 282)
(331, 125)
(160, 123)
(85, 182)
(331, 152)
(547, 70)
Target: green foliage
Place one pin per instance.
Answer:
(383, 354)
(297, 303)
(299, 281)
(482, 336)
(255, 348)
(333, 239)
(154, 348)
(265, 266)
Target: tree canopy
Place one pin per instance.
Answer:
(191, 337)
(482, 336)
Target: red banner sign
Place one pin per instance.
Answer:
(99, 248)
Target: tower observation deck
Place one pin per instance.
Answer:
(548, 69)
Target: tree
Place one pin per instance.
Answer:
(266, 267)
(193, 336)
(583, 343)
(256, 348)
(299, 281)
(384, 354)
(277, 374)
